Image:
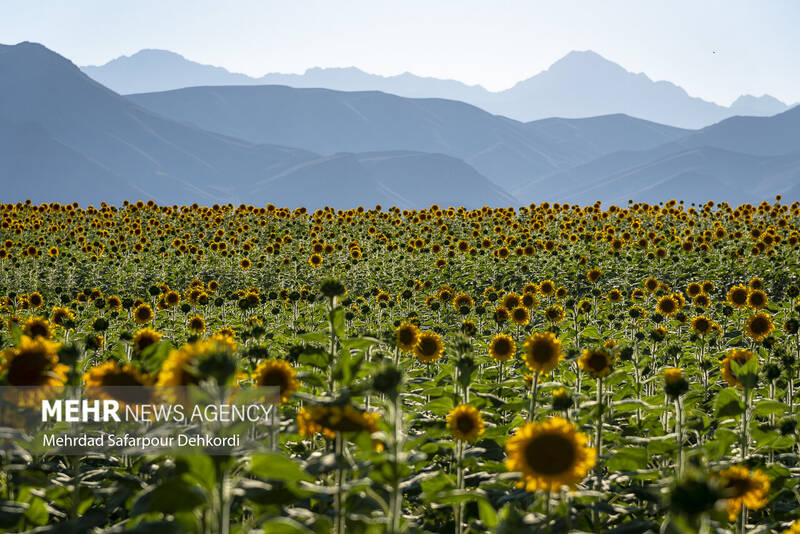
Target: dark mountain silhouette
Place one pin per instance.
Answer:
(508, 152)
(95, 145)
(581, 84)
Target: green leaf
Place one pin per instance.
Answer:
(440, 406)
(37, 512)
(277, 467)
(284, 525)
(770, 407)
(487, 513)
(315, 357)
(174, 495)
(628, 459)
(728, 403)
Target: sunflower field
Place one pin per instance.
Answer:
(549, 368)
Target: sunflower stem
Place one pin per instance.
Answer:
(534, 387)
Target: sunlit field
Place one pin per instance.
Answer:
(543, 368)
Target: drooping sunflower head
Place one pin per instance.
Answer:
(543, 352)
(596, 362)
(144, 338)
(675, 384)
(549, 454)
(328, 420)
(554, 313)
(511, 301)
(61, 315)
(759, 326)
(744, 487)
(406, 336)
(429, 347)
(462, 301)
(502, 348)
(465, 423)
(741, 357)
(276, 373)
(737, 296)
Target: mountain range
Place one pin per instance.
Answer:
(65, 137)
(581, 84)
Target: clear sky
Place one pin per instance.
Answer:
(715, 49)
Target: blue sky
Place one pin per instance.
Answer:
(715, 49)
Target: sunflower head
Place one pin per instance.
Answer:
(757, 299)
(196, 324)
(520, 316)
(549, 454)
(37, 327)
(594, 275)
(554, 313)
(33, 362)
(143, 314)
(543, 352)
(144, 338)
(596, 362)
(675, 384)
(759, 326)
(276, 373)
(429, 347)
(667, 305)
(465, 423)
(406, 336)
(743, 487)
(737, 296)
(502, 348)
(741, 357)
(118, 378)
(702, 325)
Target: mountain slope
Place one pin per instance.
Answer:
(508, 152)
(95, 145)
(581, 84)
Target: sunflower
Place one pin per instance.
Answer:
(501, 314)
(594, 275)
(596, 362)
(143, 314)
(651, 285)
(702, 325)
(462, 300)
(36, 300)
(741, 357)
(406, 337)
(245, 264)
(667, 305)
(547, 288)
(511, 301)
(465, 423)
(702, 301)
(737, 296)
(675, 384)
(529, 300)
(756, 283)
(502, 348)
(759, 326)
(34, 362)
(554, 313)
(328, 420)
(315, 260)
(615, 296)
(145, 338)
(197, 324)
(179, 369)
(429, 348)
(549, 455)
(37, 327)
(113, 375)
(172, 298)
(794, 528)
(542, 352)
(694, 289)
(757, 299)
(743, 487)
(276, 373)
(61, 315)
(520, 316)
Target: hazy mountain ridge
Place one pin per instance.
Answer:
(508, 152)
(581, 84)
(97, 145)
